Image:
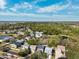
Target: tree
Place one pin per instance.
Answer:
(33, 41)
(38, 55)
(23, 53)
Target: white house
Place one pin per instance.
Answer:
(33, 48)
(38, 34)
(20, 33)
(49, 50)
(27, 37)
(25, 46)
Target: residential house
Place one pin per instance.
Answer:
(60, 52)
(25, 46)
(6, 49)
(38, 34)
(1, 57)
(30, 31)
(28, 37)
(62, 58)
(33, 48)
(20, 33)
(19, 43)
(49, 50)
(40, 48)
(31, 34)
(13, 46)
(9, 56)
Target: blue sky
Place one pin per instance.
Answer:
(39, 10)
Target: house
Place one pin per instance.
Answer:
(60, 52)
(25, 46)
(7, 31)
(10, 56)
(1, 57)
(2, 32)
(31, 34)
(38, 34)
(49, 50)
(28, 37)
(62, 58)
(19, 43)
(6, 49)
(30, 31)
(13, 46)
(33, 48)
(20, 33)
(40, 48)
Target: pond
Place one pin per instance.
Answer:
(4, 37)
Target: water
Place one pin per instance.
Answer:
(4, 37)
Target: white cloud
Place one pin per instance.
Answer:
(38, 17)
(36, 1)
(75, 7)
(22, 14)
(24, 5)
(53, 8)
(2, 4)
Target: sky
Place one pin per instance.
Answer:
(39, 10)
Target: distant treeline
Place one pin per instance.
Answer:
(46, 27)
